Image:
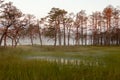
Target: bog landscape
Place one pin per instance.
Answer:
(62, 45)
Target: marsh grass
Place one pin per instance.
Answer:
(14, 67)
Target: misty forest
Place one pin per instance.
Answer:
(59, 27)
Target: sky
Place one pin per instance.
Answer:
(40, 8)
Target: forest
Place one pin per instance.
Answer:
(98, 28)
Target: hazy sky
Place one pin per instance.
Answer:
(40, 8)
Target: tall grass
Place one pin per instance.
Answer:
(14, 67)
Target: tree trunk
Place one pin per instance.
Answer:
(2, 38)
(40, 36)
(77, 36)
(55, 35)
(5, 32)
(31, 38)
(55, 40)
(64, 34)
(68, 36)
(59, 34)
(82, 32)
(3, 35)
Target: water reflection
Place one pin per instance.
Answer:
(60, 60)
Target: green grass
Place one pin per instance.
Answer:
(97, 63)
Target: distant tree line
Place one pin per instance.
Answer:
(100, 28)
